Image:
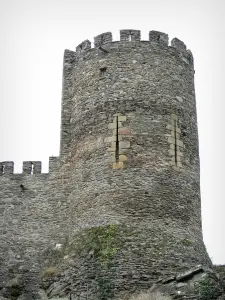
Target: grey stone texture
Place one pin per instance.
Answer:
(145, 82)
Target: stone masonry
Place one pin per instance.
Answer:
(128, 157)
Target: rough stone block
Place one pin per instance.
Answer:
(171, 140)
(122, 157)
(112, 158)
(124, 131)
(124, 144)
(172, 163)
(122, 118)
(174, 117)
(114, 125)
(173, 123)
(173, 134)
(170, 127)
(176, 168)
(190, 273)
(118, 165)
(109, 139)
(178, 158)
(180, 143)
(171, 151)
(123, 151)
(113, 139)
(177, 135)
(111, 149)
(180, 99)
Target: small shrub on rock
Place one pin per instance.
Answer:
(209, 289)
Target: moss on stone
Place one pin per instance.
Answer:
(186, 242)
(49, 272)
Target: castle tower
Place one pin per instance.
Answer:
(129, 142)
(123, 197)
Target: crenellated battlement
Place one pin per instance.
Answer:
(130, 35)
(176, 43)
(84, 46)
(103, 39)
(6, 167)
(156, 38)
(32, 167)
(29, 167)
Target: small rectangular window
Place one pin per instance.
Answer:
(3, 169)
(103, 72)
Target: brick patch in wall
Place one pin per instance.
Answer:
(176, 145)
(118, 145)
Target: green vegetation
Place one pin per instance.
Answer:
(49, 272)
(16, 291)
(186, 242)
(208, 289)
(98, 245)
(102, 243)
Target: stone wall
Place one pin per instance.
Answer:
(128, 157)
(29, 221)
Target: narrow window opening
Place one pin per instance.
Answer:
(32, 168)
(183, 130)
(158, 38)
(117, 139)
(102, 72)
(3, 169)
(129, 38)
(175, 135)
(22, 187)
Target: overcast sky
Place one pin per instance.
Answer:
(34, 34)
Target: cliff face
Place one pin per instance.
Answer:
(121, 205)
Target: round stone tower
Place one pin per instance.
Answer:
(129, 157)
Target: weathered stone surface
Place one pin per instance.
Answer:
(157, 208)
(190, 273)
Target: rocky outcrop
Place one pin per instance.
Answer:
(196, 284)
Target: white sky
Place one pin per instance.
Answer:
(33, 36)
